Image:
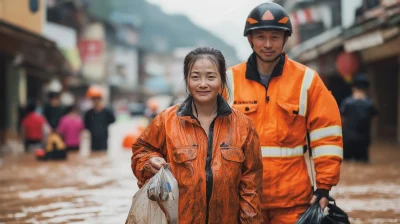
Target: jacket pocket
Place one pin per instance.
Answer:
(287, 114)
(232, 160)
(183, 154)
(246, 108)
(184, 167)
(234, 154)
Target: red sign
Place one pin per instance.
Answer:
(90, 49)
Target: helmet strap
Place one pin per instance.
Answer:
(251, 44)
(286, 37)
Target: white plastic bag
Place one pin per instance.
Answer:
(157, 201)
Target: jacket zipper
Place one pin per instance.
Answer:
(209, 175)
(266, 90)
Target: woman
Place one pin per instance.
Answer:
(70, 127)
(214, 151)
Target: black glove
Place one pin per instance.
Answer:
(320, 193)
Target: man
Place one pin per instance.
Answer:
(358, 112)
(98, 119)
(286, 100)
(53, 111)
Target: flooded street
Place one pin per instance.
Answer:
(99, 189)
(370, 193)
(94, 190)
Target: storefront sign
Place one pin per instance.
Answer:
(93, 52)
(90, 49)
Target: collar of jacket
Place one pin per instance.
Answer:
(185, 109)
(252, 71)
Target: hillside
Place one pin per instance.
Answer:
(158, 29)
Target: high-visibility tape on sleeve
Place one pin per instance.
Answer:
(272, 151)
(325, 132)
(327, 150)
(231, 85)
(307, 80)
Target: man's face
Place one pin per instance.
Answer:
(267, 44)
(96, 101)
(55, 101)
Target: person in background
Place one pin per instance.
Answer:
(70, 127)
(53, 111)
(32, 127)
(357, 114)
(98, 119)
(151, 109)
(213, 150)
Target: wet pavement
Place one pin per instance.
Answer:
(94, 190)
(99, 189)
(370, 193)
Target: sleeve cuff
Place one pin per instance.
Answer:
(324, 186)
(321, 193)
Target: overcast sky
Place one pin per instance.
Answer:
(225, 18)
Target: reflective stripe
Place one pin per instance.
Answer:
(271, 151)
(307, 80)
(327, 150)
(325, 132)
(231, 85)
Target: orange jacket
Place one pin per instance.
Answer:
(220, 177)
(294, 102)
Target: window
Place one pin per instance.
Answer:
(34, 5)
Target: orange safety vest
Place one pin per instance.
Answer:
(295, 102)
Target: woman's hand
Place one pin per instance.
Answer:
(155, 164)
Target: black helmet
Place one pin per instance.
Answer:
(268, 16)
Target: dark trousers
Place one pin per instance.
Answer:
(28, 143)
(72, 148)
(99, 143)
(358, 150)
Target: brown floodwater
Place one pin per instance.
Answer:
(99, 189)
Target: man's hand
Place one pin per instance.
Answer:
(323, 194)
(155, 164)
(323, 202)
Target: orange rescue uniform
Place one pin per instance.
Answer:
(219, 177)
(295, 102)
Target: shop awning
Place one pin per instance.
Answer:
(375, 31)
(66, 40)
(370, 39)
(318, 45)
(35, 50)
